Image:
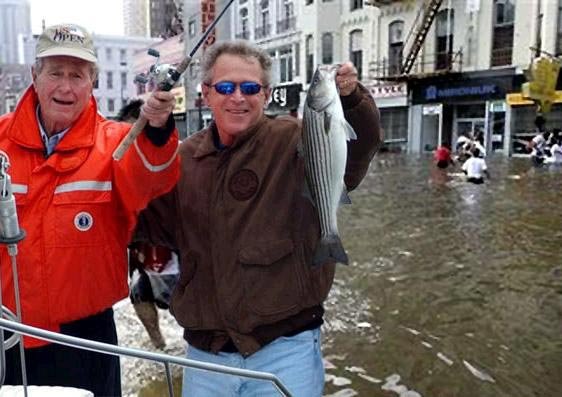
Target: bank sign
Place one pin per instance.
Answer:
(458, 91)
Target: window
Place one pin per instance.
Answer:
(356, 4)
(504, 12)
(264, 26)
(309, 58)
(108, 54)
(308, 2)
(285, 65)
(123, 57)
(356, 51)
(327, 48)
(444, 39)
(191, 28)
(297, 59)
(111, 105)
(502, 41)
(109, 78)
(244, 32)
(286, 19)
(395, 47)
(97, 84)
(394, 122)
(123, 79)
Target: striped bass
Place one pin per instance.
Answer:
(325, 136)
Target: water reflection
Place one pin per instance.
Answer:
(461, 284)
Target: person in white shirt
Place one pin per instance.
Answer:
(555, 152)
(475, 168)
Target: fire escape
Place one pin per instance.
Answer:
(421, 30)
(413, 44)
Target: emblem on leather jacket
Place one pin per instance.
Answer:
(243, 184)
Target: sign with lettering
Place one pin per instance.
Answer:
(284, 98)
(461, 88)
(208, 13)
(388, 90)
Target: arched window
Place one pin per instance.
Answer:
(395, 46)
(244, 32)
(356, 51)
(327, 48)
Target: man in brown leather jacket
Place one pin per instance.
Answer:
(247, 294)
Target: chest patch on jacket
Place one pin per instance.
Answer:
(83, 221)
(243, 184)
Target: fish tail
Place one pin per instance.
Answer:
(330, 250)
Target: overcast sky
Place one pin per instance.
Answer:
(99, 16)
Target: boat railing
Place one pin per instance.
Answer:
(165, 359)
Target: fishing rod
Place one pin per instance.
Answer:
(166, 76)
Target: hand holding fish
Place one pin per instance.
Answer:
(346, 79)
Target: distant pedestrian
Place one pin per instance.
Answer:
(475, 168)
(442, 156)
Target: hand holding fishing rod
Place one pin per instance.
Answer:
(165, 77)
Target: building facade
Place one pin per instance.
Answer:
(135, 18)
(115, 84)
(466, 76)
(15, 25)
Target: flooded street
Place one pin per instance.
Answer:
(463, 283)
(455, 290)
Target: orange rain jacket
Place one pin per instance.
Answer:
(78, 208)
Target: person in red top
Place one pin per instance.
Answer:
(78, 207)
(442, 157)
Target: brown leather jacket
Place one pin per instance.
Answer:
(247, 234)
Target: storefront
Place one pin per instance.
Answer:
(392, 101)
(522, 113)
(445, 107)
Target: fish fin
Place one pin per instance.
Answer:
(349, 131)
(330, 250)
(344, 198)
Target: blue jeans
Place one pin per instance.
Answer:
(295, 360)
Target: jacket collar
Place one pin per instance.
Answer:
(207, 145)
(24, 129)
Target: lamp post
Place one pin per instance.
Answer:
(199, 105)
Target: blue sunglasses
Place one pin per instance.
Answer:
(228, 87)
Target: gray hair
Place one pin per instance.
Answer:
(38, 67)
(241, 48)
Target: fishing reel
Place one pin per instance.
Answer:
(162, 75)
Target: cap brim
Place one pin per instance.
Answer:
(69, 52)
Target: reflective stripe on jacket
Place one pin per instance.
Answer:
(78, 208)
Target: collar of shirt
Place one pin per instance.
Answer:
(50, 142)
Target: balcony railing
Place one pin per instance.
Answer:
(284, 25)
(431, 63)
(502, 56)
(244, 35)
(262, 31)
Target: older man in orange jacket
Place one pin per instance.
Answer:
(78, 207)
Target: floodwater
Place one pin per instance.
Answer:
(463, 282)
(454, 290)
